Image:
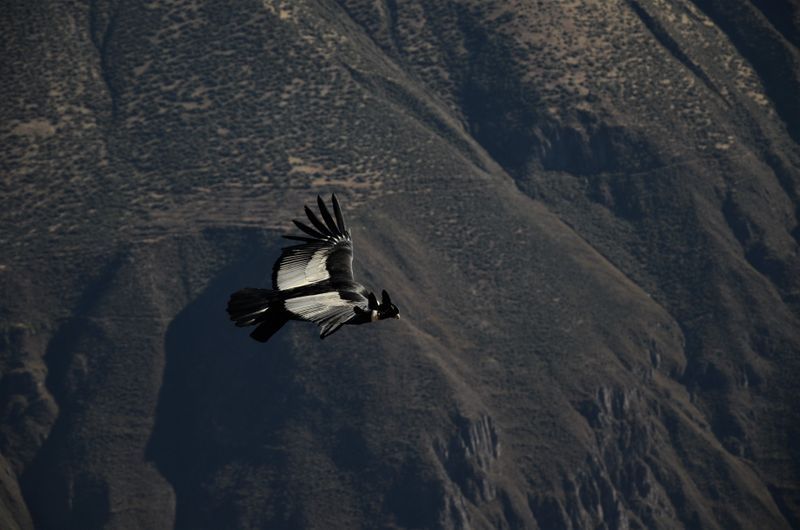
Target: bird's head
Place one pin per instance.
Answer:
(387, 309)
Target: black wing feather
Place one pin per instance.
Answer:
(327, 216)
(316, 222)
(308, 230)
(337, 211)
(330, 329)
(373, 302)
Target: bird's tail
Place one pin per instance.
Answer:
(247, 306)
(250, 306)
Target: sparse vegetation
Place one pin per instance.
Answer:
(589, 210)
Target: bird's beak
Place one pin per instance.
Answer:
(397, 315)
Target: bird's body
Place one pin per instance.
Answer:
(312, 281)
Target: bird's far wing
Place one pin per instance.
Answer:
(329, 311)
(326, 251)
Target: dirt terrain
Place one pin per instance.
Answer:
(586, 211)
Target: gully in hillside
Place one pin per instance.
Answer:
(312, 281)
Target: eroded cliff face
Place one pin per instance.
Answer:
(587, 213)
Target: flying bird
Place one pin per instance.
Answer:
(312, 281)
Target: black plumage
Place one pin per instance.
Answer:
(312, 281)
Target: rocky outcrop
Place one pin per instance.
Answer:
(469, 456)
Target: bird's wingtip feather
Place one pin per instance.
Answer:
(326, 216)
(308, 230)
(317, 223)
(337, 211)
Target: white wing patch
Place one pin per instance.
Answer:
(298, 270)
(329, 310)
(317, 306)
(307, 265)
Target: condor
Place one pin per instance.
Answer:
(312, 281)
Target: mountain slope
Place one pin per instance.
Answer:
(586, 212)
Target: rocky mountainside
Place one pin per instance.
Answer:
(586, 211)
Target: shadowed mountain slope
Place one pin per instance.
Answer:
(585, 211)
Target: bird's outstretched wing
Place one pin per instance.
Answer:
(326, 252)
(328, 310)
